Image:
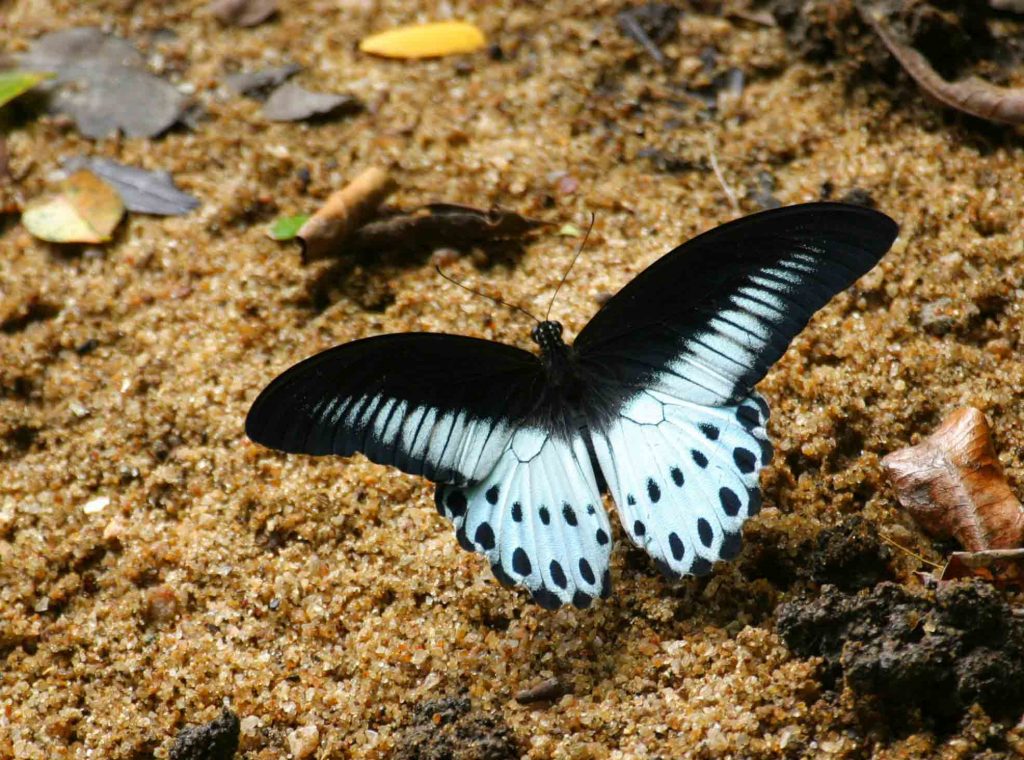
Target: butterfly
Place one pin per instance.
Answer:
(654, 402)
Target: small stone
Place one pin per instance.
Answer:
(161, 604)
(96, 505)
(302, 742)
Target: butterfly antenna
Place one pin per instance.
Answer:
(571, 265)
(468, 289)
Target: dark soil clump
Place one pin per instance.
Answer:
(450, 729)
(930, 653)
(216, 740)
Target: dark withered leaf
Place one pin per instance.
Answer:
(258, 84)
(103, 84)
(443, 225)
(242, 12)
(143, 191)
(292, 102)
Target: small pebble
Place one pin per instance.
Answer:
(302, 742)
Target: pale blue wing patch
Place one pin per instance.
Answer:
(685, 476)
(538, 518)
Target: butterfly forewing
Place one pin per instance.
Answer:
(440, 406)
(706, 321)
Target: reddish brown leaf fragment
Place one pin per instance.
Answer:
(953, 485)
(972, 95)
(1003, 567)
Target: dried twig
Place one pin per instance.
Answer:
(545, 691)
(718, 173)
(971, 95)
(344, 212)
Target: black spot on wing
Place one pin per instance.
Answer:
(699, 459)
(521, 563)
(700, 567)
(707, 535)
(546, 598)
(677, 476)
(569, 515)
(747, 417)
(503, 578)
(744, 459)
(582, 600)
(710, 431)
(639, 528)
(730, 501)
(601, 536)
(731, 545)
(558, 575)
(517, 512)
(586, 572)
(456, 502)
(545, 516)
(485, 536)
(676, 545)
(492, 495)
(653, 491)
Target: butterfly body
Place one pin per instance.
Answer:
(652, 403)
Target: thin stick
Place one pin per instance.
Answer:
(484, 295)
(571, 265)
(902, 548)
(718, 173)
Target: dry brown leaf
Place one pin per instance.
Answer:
(344, 212)
(1003, 567)
(87, 210)
(440, 225)
(953, 485)
(972, 95)
(547, 690)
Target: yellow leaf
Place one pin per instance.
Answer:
(425, 40)
(87, 210)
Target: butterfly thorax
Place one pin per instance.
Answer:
(567, 401)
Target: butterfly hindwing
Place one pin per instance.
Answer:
(441, 406)
(684, 476)
(538, 518)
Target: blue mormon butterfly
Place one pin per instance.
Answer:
(654, 403)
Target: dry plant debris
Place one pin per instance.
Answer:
(242, 12)
(954, 487)
(1002, 567)
(259, 84)
(547, 690)
(86, 210)
(425, 40)
(344, 212)
(103, 84)
(440, 225)
(971, 95)
(293, 102)
(143, 191)
(452, 728)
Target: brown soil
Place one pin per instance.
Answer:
(328, 593)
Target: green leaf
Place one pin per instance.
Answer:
(569, 230)
(287, 227)
(15, 83)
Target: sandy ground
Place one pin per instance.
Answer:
(329, 593)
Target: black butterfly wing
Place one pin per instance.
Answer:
(441, 406)
(706, 321)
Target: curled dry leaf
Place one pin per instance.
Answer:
(425, 40)
(953, 485)
(102, 82)
(242, 12)
(972, 95)
(293, 102)
(143, 191)
(86, 210)
(439, 225)
(344, 212)
(1003, 567)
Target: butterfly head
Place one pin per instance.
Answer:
(548, 335)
